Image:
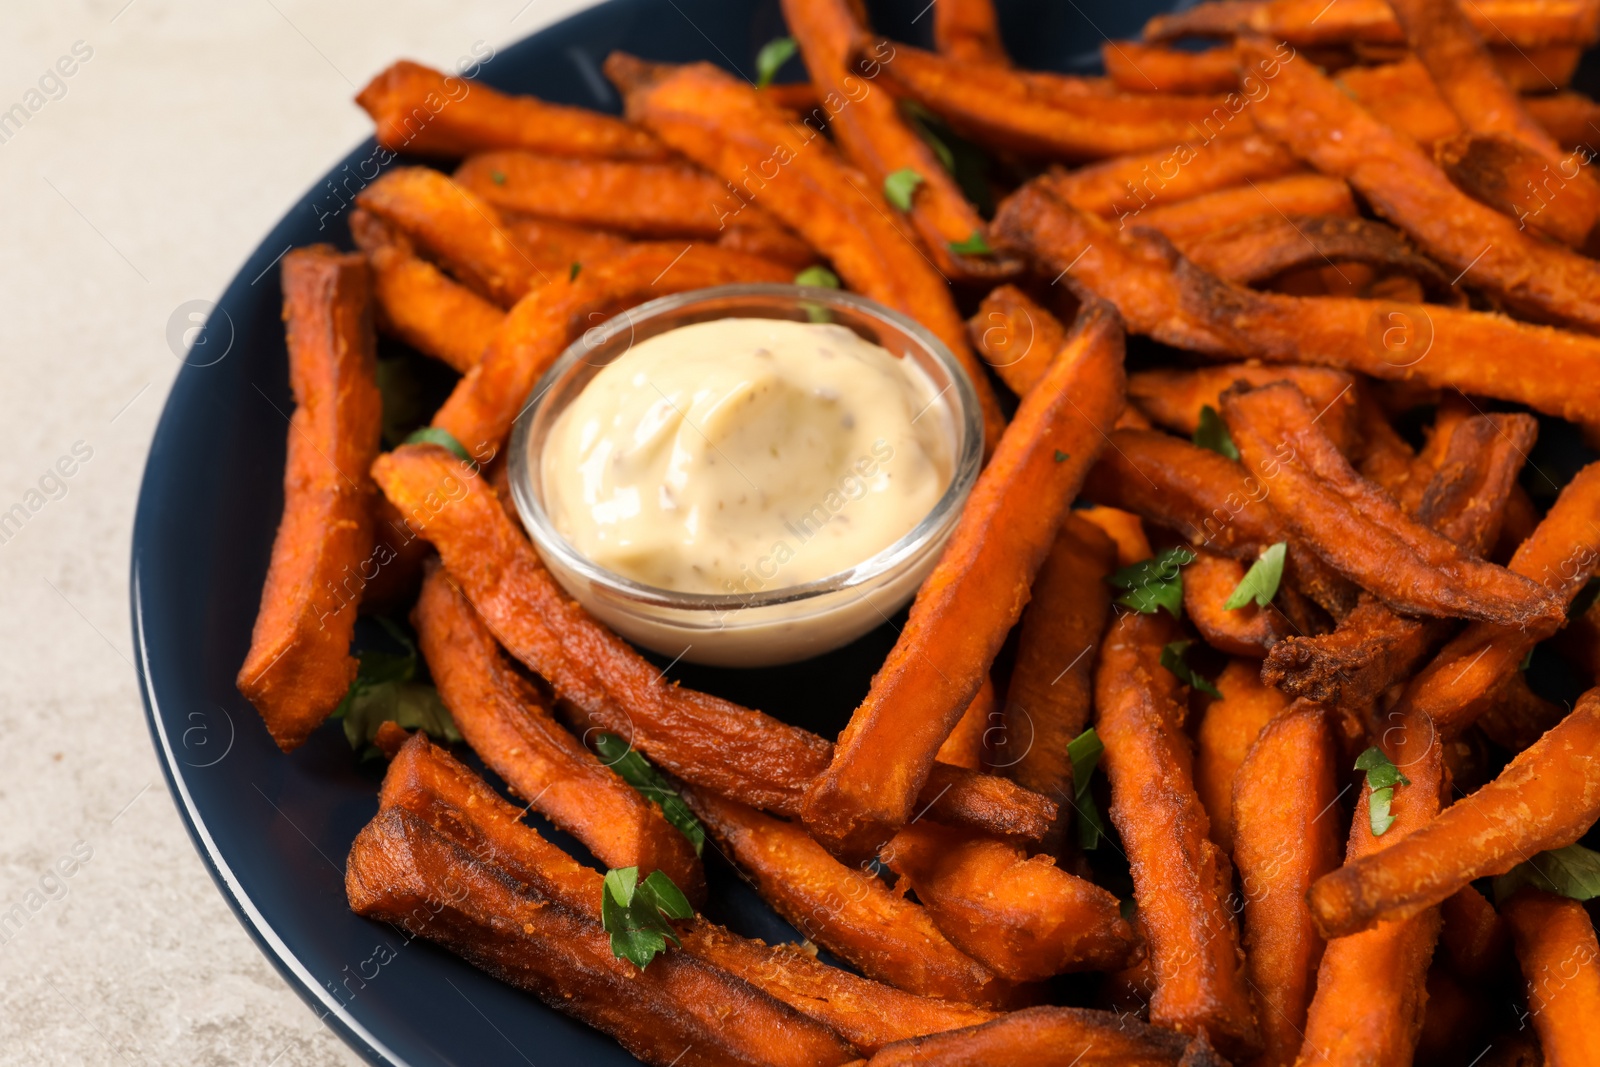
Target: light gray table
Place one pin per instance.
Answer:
(137, 182)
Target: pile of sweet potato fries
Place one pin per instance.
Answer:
(1265, 336)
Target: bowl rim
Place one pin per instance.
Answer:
(967, 459)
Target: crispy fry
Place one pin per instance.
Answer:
(1517, 716)
(1021, 114)
(1566, 116)
(1123, 187)
(418, 304)
(1537, 70)
(968, 31)
(404, 871)
(700, 738)
(1164, 296)
(644, 199)
(1228, 729)
(1455, 687)
(1306, 23)
(505, 721)
(1249, 631)
(1016, 337)
(1284, 838)
(1142, 68)
(883, 756)
(874, 136)
(1345, 1023)
(1271, 245)
(1173, 397)
(1123, 527)
(1579, 642)
(456, 227)
(425, 780)
(726, 127)
(964, 747)
(1305, 109)
(1406, 98)
(426, 112)
(1345, 519)
(1025, 919)
(1546, 797)
(1044, 1037)
(1052, 680)
(1557, 949)
(791, 96)
(299, 664)
(1181, 880)
(849, 912)
(1208, 213)
(485, 402)
(1210, 501)
(1517, 181)
(555, 246)
(1475, 461)
(1474, 937)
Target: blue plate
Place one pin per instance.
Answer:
(275, 829)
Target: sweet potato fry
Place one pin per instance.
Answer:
(485, 402)
(1579, 642)
(1406, 98)
(1228, 729)
(1123, 527)
(1565, 116)
(874, 135)
(1546, 797)
(679, 1009)
(1271, 245)
(1305, 23)
(1558, 952)
(1123, 187)
(1284, 838)
(726, 127)
(1210, 501)
(456, 227)
(423, 111)
(644, 199)
(1475, 938)
(1537, 70)
(968, 31)
(1455, 687)
(1181, 880)
(425, 780)
(1517, 716)
(1315, 493)
(1556, 199)
(299, 664)
(964, 747)
(1015, 113)
(504, 719)
(883, 756)
(1143, 68)
(1044, 1037)
(1345, 1024)
(1208, 213)
(1052, 679)
(700, 738)
(555, 246)
(850, 912)
(418, 304)
(1305, 109)
(1173, 397)
(1162, 295)
(1016, 337)
(1249, 631)
(792, 96)
(1025, 919)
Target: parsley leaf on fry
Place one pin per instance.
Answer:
(1572, 872)
(1172, 659)
(635, 913)
(1084, 752)
(1260, 582)
(1382, 778)
(900, 186)
(1154, 583)
(773, 55)
(634, 769)
(1213, 433)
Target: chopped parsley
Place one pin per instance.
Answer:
(435, 435)
(573, 271)
(773, 55)
(635, 913)
(1172, 659)
(974, 245)
(1061, 457)
(1154, 583)
(1084, 752)
(900, 186)
(1260, 582)
(634, 769)
(821, 277)
(1573, 872)
(1382, 779)
(386, 690)
(1213, 433)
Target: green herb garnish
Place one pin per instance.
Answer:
(1260, 582)
(964, 160)
(1382, 779)
(773, 55)
(1061, 457)
(386, 690)
(1084, 752)
(498, 177)
(434, 435)
(1573, 872)
(820, 277)
(974, 245)
(572, 272)
(1172, 660)
(1213, 433)
(1154, 583)
(900, 186)
(635, 913)
(637, 772)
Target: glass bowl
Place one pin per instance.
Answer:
(783, 624)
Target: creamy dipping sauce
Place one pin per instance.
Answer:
(742, 455)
